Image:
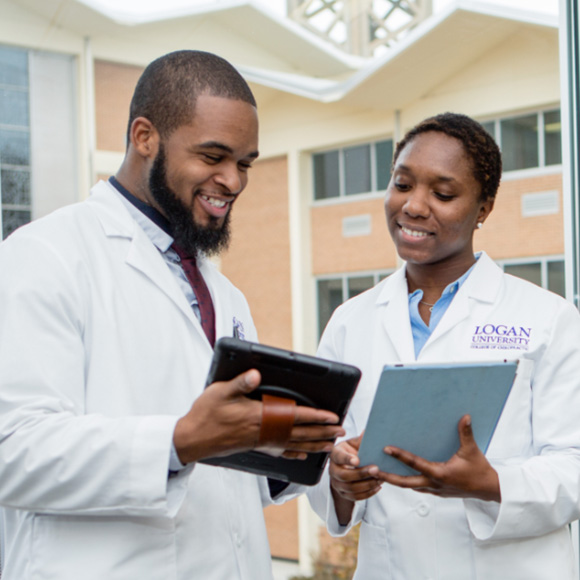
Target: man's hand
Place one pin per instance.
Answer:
(348, 481)
(223, 420)
(467, 474)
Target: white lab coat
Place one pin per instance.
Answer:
(100, 354)
(406, 535)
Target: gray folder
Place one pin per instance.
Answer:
(417, 408)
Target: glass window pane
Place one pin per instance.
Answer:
(359, 284)
(14, 107)
(326, 179)
(519, 142)
(531, 272)
(489, 126)
(14, 147)
(384, 157)
(556, 277)
(357, 169)
(329, 298)
(15, 187)
(553, 138)
(12, 219)
(13, 67)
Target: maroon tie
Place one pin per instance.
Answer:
(204, 301)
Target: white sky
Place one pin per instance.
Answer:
(279, 6)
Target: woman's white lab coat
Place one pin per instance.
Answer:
(100, 354)
(536, 448)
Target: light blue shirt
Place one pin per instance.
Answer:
(421, 331)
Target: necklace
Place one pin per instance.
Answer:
(427, 304)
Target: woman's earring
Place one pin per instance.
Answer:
(479, 225)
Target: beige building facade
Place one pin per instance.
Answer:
(309, 231)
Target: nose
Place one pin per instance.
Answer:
(231, 178)
(417, 203)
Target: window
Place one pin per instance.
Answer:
(352, 170)
(527, 141)
(545, 272)
(332, 292)
(14, 139)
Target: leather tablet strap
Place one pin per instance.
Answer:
(277, 422)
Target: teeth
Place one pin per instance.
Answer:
(215, 202)
(414, 233)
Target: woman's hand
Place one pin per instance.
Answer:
(348, 481)
(467, 474)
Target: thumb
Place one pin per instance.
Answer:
(245, 383)
(466, 439)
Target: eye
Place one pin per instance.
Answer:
(402, 186)
(443, 196)
(212, 158)
(244, 166)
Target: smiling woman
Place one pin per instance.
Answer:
(442, 189)
(502, 514)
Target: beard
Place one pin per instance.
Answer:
(190, 236)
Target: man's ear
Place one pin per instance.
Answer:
(144, 137)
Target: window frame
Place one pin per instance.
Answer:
(342, 196)
(542, 260)
(344, 277)
(540, 115)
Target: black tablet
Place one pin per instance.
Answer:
(308, 380)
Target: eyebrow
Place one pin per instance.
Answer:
(443, 178)
(226, 148)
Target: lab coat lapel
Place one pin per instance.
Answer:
(395, 315)
(145, 257)
(141, 253)
(481, 285)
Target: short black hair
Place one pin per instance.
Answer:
(167, 90)
(477, 143)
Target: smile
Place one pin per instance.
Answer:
(213, 201)
(414, 233)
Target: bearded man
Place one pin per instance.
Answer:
(108, 313)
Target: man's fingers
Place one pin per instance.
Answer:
(315, 433)
(300, 455)
(305, 415)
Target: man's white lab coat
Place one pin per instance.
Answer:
(100, 354)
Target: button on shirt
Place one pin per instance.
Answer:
(421, 331)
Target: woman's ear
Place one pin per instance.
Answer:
(144, 138)
(484, 210)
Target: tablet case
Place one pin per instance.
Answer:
(308, 380)
(417, 408)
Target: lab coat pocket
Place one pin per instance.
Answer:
(508, 442)
(374, 560)
(99, 547)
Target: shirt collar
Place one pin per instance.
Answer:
(156, 226)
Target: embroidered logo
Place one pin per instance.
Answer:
(238, 329)
(501, 337)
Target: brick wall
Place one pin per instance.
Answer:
(114, 86)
